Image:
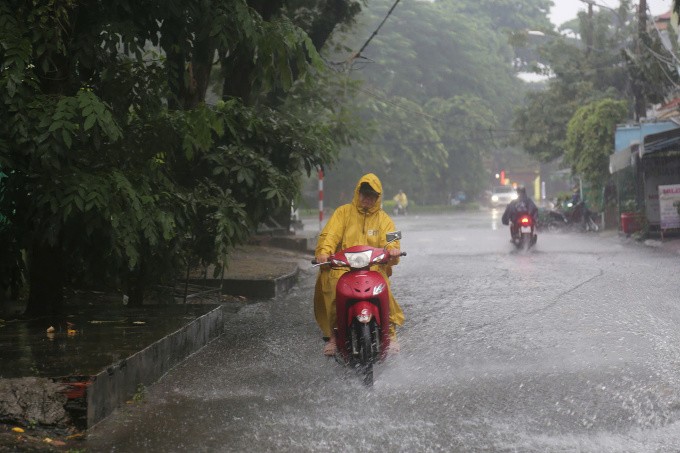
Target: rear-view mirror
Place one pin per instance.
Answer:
(393, 236)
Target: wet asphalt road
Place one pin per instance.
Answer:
(572, 347)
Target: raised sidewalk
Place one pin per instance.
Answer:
(102, 354)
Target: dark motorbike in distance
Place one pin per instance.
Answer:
(523, 231)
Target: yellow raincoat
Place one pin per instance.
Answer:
(348, 226)
(402, 199)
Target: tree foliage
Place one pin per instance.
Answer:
(473, 118)
(438, 93)
(117, 171)
(590, 139)
(606, 59)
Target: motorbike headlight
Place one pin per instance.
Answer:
(494, 197)
(359, 259)
(365, 316)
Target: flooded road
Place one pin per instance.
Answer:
(572, 347)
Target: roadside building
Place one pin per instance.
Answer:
(646, 156)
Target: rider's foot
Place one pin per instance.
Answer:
(330, 348)
(394, 346)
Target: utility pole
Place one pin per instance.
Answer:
(591, 30)
(638, 93)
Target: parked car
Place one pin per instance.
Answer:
(502, 195)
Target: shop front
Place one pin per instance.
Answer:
(647, 156)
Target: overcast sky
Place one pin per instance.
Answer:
(565, 10)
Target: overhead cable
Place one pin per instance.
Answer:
(357, 54)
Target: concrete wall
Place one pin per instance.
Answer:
(119, 382)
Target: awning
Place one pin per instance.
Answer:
(661, 142)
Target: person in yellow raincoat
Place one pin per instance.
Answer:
(402, 202)
(361, 222)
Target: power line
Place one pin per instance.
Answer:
(357, 54)
(663, 62)
(677, 62)
(378, 29)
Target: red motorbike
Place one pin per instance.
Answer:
(363, 307)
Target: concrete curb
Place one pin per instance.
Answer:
(119, 382)
(667, 245)
(303, 242)
(264, 288)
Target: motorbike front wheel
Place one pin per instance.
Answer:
(365, 353)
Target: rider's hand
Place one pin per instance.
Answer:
(394, 254)
(323, 258)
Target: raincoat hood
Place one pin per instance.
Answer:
(374, 182)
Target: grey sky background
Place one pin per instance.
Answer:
(565, 10)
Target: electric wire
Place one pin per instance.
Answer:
(661, 66)
(656, 27)
(357, 54)
(663, 60)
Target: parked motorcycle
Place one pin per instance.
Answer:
(523, 231)
(363, 307)
(571, 216)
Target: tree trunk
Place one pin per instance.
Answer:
(282, 216)
(197, 76)
(266, 8)
(334, 12)
(236, 72)
(46, 280)
(136, 283)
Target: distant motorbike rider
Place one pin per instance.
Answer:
(523, 204)
(401, 202)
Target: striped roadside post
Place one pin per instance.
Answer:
(320, 198)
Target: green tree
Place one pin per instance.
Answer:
(442, 57)
(540, 122)
(590, 139)
(466, 152)
(405, 151)
(582, 71)
(118, 172)
(606, 60)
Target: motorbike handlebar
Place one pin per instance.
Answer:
(315, 262)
